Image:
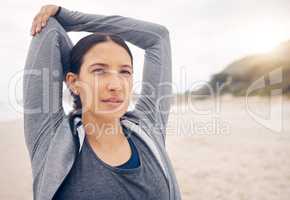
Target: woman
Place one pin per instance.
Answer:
(100, 150)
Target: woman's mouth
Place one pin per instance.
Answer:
(113, 102)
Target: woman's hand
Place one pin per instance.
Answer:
(40, 20)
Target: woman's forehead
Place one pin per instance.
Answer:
(107, 48)
(107, 53)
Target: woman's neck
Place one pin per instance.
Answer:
(104, 133)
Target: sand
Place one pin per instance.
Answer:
(235, 157)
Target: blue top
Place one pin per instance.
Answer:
(134, 159)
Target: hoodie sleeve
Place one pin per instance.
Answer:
(47, 55)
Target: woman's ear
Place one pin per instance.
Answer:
(70, 80)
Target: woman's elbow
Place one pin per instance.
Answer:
(162, 30)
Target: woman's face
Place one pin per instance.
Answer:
(106, 72)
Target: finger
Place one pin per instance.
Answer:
(43, 23)
(34, 24)
(38, 24)
(44, 20)
(33, 28)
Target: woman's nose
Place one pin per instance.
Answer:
(115, 82)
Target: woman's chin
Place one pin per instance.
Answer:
(109, 112)
(113, 107)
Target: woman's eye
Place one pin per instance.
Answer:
(126, 72)
(98, 70)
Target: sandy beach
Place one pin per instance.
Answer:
(219, 152)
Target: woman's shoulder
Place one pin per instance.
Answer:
(133, 116)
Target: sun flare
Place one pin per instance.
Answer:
(263, 37)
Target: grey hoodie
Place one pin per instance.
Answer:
(50, 135)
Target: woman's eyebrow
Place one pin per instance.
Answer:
(102, 64)
(129, 66)
(106, 65)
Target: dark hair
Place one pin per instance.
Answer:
(77, 54)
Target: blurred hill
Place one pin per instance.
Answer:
(256, 74)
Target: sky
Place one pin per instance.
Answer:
(206, 35)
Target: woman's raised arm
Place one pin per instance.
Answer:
(47, 56)
(154, 102)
